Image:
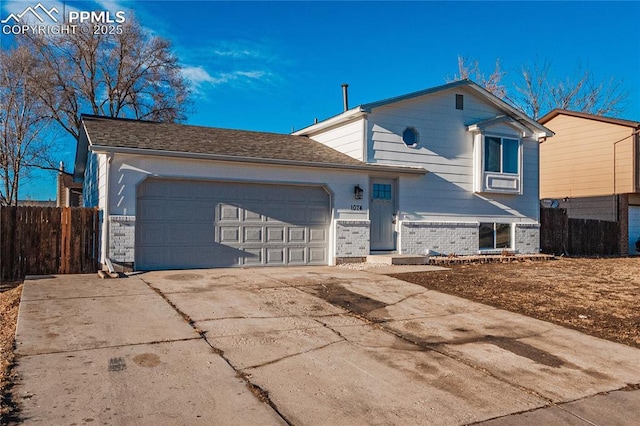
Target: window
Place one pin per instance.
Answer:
(410, 136)
(501, 155)
(495, 236)
(459, 101)
(381, 191)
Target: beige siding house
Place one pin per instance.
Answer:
(592, 168)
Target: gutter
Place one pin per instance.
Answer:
(266, 161)
(105, 212)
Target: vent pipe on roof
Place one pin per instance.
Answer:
(345, 96)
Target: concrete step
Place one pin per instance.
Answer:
(398, 259)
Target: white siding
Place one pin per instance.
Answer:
(90, 183)
(94, 189)
(102, 181)
(347, 138)
(128, 171)
(445, 149)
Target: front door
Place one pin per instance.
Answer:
(382, 214)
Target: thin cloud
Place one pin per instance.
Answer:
(239, 50)
(201, 79)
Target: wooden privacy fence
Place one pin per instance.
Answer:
(576, 237)
(47, 240)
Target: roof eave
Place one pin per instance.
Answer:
(542, 131)
(256, 160)
(368, 107)
(336, 119)
(558, 111)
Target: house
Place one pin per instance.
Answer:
(481, 192)
(451, 169)
(68, 192)
(592, 169)
(176, 196)
(36, 203)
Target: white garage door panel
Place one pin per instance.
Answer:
(634, 228)
(183, 224)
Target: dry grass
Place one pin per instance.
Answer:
(9, 302)
(596, 296)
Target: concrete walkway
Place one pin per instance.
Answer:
(303, 346)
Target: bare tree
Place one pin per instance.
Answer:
(23, 120)
(471, 70)
(132, 74)
(533, 91)
(538, 91)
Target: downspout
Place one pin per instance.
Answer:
(633, 135)
(105, 213)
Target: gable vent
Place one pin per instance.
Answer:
(459, 101)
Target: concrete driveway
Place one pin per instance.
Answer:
(303, 346)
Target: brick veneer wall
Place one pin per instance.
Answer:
(527, 238)
(122, 237)
(352, 238)
(417, 237)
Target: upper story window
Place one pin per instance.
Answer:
(410, 136)
(501, 155)
(497, 164)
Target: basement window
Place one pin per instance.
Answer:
(410, 136)
(494, 236)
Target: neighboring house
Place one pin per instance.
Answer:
(69, 192)
(447, 170)
(592, 168)
(36, 203)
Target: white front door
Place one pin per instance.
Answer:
(382, 214)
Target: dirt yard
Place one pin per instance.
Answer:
(600, 297)
(596, 296)
(9, 301)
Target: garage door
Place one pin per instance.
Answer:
(195, 224)
(634, 228)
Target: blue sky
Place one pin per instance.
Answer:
(274, 66)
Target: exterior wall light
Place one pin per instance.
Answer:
(357, 192)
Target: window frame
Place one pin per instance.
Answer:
(382, 191)
(495, 230)
(501, 182)
(502, 158)
(416, 135)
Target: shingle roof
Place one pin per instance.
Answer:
(171, 137)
